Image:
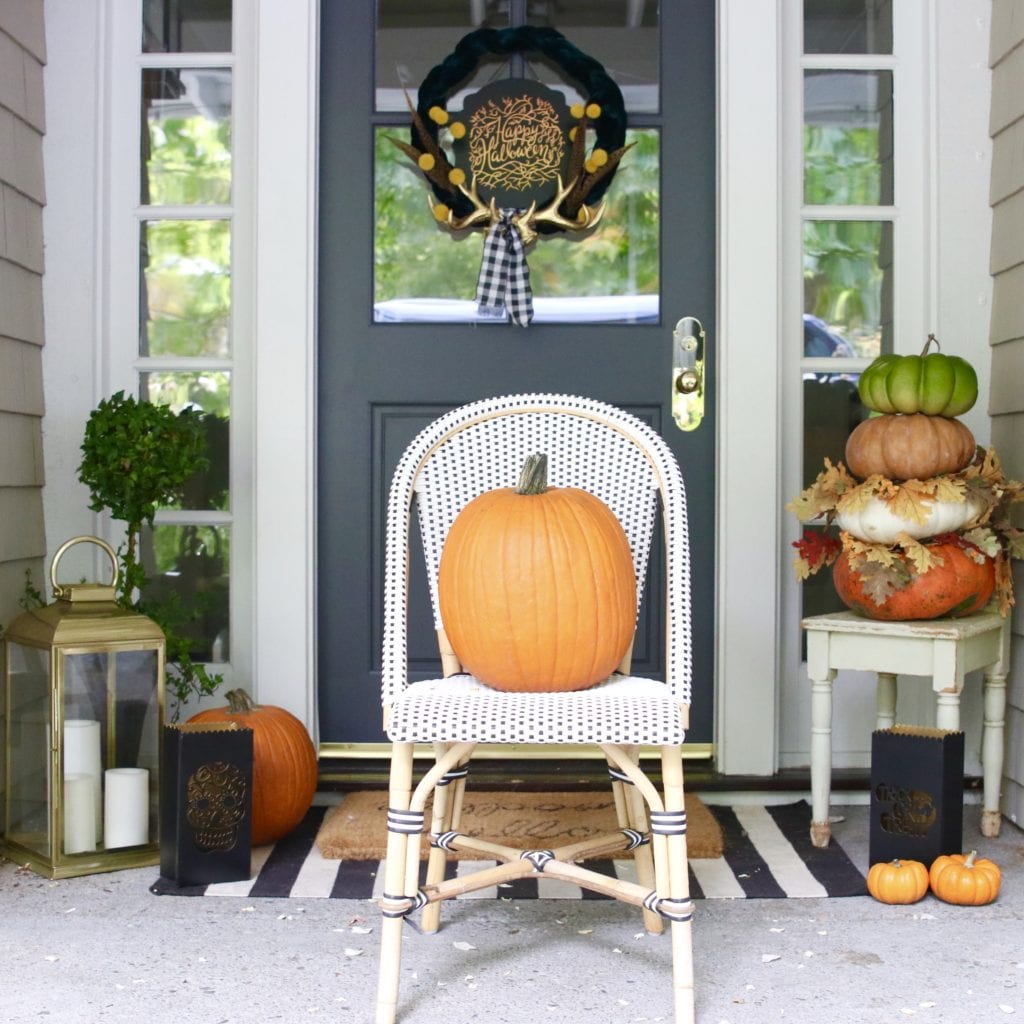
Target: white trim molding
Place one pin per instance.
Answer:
(748, 353)
(287, 86)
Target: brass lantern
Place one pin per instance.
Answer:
(82, 719)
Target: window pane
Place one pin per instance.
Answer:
(189, 572)
(623, 36)
(186, 26)
(847, 26)
(185, 288)
(832, 408)
(209, 394)
(186, 136)
(423, 272)
(848, 137)
(414, 35)
(848, 287)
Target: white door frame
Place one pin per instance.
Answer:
(747, 350)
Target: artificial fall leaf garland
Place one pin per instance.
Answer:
(885, 568)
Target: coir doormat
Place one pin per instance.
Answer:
(356, 829)
(767, 855)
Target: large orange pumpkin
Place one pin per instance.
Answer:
(537, 587)
(283, 763)
(914, 447)
(960, 586)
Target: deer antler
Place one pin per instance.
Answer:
(528, 220)
(481, 211)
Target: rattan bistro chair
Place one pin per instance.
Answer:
(620, 459)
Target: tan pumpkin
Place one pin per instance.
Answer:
(965, 879)
(898, 881)
(914, 447)
(284, 771)
(537, 587)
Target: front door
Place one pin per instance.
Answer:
(399, 343)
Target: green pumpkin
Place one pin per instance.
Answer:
(931, 383)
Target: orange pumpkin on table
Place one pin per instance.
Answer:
(537, 587)
(284, 772)
(962, 585)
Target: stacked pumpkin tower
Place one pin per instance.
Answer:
(923, 512)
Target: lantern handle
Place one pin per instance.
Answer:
(60, 589)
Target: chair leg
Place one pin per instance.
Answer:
(401, 846)
(634, 815)
(446, 812)
(677, 886)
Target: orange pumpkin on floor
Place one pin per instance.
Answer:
(536, 586)
(962, 585)
(284, 770)
(965, 879)
(898, 881)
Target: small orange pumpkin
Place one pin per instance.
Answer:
(965, 879)
(537, 587)
(898, 881)
(962, 585)
(911, 447)
(283, 763)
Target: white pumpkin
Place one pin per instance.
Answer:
(877, 524)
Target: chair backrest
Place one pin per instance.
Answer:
(589, 445)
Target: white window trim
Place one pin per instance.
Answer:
(932, 279)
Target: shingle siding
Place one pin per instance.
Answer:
(1006, 399)
(22, 195)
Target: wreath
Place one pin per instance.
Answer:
(604, 110)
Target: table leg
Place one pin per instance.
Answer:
(821, 758)
(885, 701)
(992, 751)
(947, 712)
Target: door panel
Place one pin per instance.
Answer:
(380, 382)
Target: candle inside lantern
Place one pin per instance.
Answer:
(126, 807)
(79, 813)
(82, 757)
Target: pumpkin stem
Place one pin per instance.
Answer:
(534, 476)
(927, 344)
(969, 863)
(239, 702)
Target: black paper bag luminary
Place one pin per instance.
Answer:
(206, 803)
(917, 805)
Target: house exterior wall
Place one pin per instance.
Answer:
(22, 196)
(1006, 401)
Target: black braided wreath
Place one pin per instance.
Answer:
(588, 74)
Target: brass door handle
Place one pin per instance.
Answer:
(688, 354)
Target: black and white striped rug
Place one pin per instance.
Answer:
(768, 855)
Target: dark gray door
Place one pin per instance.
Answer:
(381, 380)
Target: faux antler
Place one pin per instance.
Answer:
(528, 220)
(482, 212)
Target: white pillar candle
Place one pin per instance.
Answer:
(79, 813)
(126, 807)
(82, 757)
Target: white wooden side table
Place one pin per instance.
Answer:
(944, 650)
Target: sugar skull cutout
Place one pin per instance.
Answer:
(215, 805)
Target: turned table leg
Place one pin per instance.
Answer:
(885, 701)
(992, 750)
(821, 758)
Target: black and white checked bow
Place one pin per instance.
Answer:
(504, 282)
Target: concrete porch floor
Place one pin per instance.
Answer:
(102, 950)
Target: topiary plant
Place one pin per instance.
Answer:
(137, 456)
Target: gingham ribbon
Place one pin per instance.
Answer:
(504, 283)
